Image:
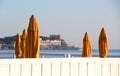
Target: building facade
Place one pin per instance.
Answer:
(50, 42)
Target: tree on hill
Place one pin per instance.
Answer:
(8, 40)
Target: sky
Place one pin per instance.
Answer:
(69, 18)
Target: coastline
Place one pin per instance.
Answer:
(61, 53)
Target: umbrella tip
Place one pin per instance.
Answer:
(18, 34)
(32, 16)
(85, 32)
(102, 28)
(24, 30)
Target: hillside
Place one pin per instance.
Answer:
(8, 42)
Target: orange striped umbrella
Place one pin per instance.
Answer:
(87, 49)
(33, 40)
(23, 43)
(18, 52)
(103, 44)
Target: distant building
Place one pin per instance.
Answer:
(55, 42)
(50, 42)
(55, 37)
(44, 42)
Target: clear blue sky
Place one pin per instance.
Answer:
(69, 18)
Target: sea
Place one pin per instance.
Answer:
(113, 53)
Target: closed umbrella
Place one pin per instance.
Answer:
(18, 52)
(23, 43)
(103, 44)
(87, 49)
(33, 40)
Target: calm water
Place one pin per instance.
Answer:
(60, 53)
